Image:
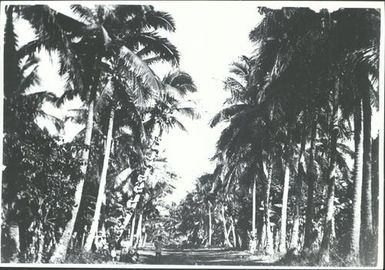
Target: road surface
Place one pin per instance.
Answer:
(203, 256)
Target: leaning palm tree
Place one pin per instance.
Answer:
(162, 115)
(124, 45)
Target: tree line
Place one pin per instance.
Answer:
(297, 164)
(59, 198)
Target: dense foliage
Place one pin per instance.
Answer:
(104, 189)
(295, 171)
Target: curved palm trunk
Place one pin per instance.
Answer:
(285, 195)
(357, 182)
(367, 237)
(60, 252)
(102, 186)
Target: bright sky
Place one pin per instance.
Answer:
(209, 35)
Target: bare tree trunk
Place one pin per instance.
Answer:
(144, 239)
(139, 231)
(60, 252)
(327, 240)
(14, 234)
(298, 200)
(226, 235)
(40, 243)
(285, 195)
(357, 181)
(233, 232)
(269, 237)
(131, 242)
(102, 185)
(367, 237)
(328, 227)
(210, 225)
(311, 178)
(253, 242)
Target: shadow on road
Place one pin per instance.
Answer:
(203, 257)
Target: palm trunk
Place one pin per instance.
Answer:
(14, 234)
(83, 237)
(295, 232)
(233, 232)
(269, 237)
(226, 235)
(357, 182)
(134, 203)
(294, 244)
(285, 195)
(40, 243)
(367, 237)
(131, 242)
(328, 227)
(327, 239)
(60, 252)
(311, 178)
(139, 231)
(144, 239)
(253, 243)
(210, 225)
(102, 186)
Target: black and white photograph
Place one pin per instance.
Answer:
(174, 134)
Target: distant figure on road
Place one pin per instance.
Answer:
(158, 248)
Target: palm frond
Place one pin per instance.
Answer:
(160, 20)
(188, 111)
(227, 113)
(136, 65)
(181, 81)
(83, 12)
(154, 43)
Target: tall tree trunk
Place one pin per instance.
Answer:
(311, 178)
(327, 239)
(60, 252)
(131, 242)
(285, 196)
(144, 239)
(138, 189)
(353, 256)
(328, 227)
(40, 243)
(102, 185)
(210, 225)
(14, 234)
(367, 237)
(294, 244)
(139, 231)
(269, 249)
(253, 242)
(233, 232)
(226, 235)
